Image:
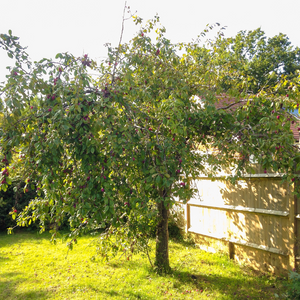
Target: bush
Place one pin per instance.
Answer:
(293, 287)
(15, 198)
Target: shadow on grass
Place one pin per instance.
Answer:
(193, 285)
(234, 288)
(120, 293)
(4, 259)
(132, 295)
(22, 236)
(181, 241)
(126, 295)
(8, 288)
(29, 236)
(247, 286)
(33, 236)
(132, 264)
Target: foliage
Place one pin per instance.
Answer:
(114, 145)
(293, 286)
(177, 223)
(13, 199)
(258, 62)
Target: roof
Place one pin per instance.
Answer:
(225, 101)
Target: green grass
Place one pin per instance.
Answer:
(33, 268)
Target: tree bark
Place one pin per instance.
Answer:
(162, 239)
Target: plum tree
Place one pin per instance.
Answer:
(116, 150)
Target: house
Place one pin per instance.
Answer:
(227, 101)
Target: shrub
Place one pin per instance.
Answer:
(293, 287)
(15, 198)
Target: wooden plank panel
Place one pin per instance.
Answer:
(262, 260)
(256, 212)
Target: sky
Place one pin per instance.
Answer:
(83, 27)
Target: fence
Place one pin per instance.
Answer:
(254, 221)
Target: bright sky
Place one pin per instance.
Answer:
(79, 27)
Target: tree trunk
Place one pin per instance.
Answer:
(162, 239)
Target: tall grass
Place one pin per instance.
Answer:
(33, 268)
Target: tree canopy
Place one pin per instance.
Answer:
(258, 62)
(113, 145)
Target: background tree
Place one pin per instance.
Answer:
(256, 61)
(116, 150)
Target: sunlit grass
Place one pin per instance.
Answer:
(33, 268)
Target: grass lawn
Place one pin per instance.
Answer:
(33, 268)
